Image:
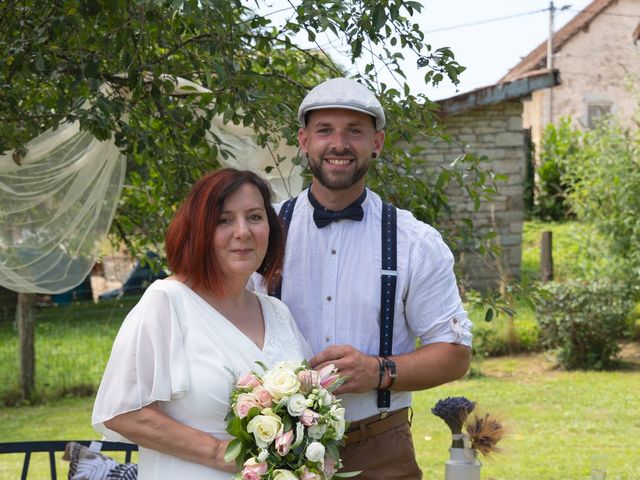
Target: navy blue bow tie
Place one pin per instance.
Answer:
(323, 217)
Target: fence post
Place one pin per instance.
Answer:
(546, 257)
(25, 316)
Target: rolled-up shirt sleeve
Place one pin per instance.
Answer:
(147, 362)
(433, 306)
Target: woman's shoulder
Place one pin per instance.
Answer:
(275, 305)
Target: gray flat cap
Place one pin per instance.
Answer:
(342, 93)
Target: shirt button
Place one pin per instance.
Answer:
(333, 252)
(327, 339)
(328, 299)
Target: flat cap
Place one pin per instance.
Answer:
(342, 93)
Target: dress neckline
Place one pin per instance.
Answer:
(206, 304)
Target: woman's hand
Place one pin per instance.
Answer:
(152, 428)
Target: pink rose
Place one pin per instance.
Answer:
(309, 379)
(329, 467)
(244, 403)
(327, 382)
(307, 475)
(283, 442)
(248, 380)
(309, 417)
(262, 396)
(253, 470)
(327, 371)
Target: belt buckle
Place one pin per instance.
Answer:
(384, 413)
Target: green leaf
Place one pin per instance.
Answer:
(234, 448)
(488, 316)
(347, 474)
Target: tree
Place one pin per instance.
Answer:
(112, 64)
(58, 55)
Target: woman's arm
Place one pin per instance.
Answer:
(151, 428)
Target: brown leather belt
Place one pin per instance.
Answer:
(371, 426)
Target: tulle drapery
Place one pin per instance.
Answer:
(58, 202)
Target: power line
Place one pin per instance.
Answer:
(490, 20)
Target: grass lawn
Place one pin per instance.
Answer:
(558, 421)
(72, 347)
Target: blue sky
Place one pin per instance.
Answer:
(496, 35)
(487, 36)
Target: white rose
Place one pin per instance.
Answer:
(316, 432)
(286, 365)
(283, 475)
(297, 404)
(314, 452)
(265, 428)
(280, 382)
(338, 422)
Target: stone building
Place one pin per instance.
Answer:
(598, 56)
(488, 122)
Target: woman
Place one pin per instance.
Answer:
(179, 351)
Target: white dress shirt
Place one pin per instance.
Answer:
(331, 284)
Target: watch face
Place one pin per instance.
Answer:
(391, 366)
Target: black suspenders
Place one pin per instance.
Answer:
(389, 276)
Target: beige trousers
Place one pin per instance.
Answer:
(387, 456)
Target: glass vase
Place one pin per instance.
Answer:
(463, 464)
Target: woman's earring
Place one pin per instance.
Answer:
(374, 155)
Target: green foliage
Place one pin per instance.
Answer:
(111, 64)
(576, 248)
(504, 335)
(559, 144)
(604, 175)
(586, 321)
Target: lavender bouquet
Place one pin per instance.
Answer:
(454, 411)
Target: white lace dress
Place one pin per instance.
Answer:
(176, 349)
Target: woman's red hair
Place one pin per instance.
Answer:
(189, 240)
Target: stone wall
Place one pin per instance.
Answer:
(494, 131)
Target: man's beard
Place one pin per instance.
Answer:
(342, 182)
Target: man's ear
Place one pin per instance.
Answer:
(302, 140)
(378, 141)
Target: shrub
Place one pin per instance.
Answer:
(504, 335)
(586, 322)
(559, 143)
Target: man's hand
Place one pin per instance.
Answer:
(360, 370)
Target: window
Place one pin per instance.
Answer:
(595, 111)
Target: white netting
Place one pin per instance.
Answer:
(57, 206)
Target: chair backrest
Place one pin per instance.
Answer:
(52, 447)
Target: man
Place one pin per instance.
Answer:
(332, 283)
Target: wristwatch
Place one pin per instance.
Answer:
(390, 366)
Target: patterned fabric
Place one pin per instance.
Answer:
(124, 471)
(85, 464)
(324, 217)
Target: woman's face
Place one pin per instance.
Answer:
(241, 236)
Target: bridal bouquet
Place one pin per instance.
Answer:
(287, 423)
